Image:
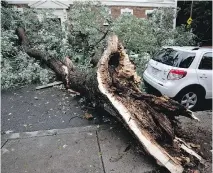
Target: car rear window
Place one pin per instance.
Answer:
(175, 58)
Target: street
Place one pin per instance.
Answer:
(45, 130)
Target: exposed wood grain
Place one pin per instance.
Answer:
(113, 85)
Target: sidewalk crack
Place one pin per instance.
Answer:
(4, 143)
(99, 148)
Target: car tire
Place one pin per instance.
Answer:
(190, 98)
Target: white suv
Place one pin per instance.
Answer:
(182, 73)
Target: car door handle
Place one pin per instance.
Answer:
(203, 77)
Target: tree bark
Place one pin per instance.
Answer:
(114, 86)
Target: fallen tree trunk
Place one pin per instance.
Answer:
(114, 86)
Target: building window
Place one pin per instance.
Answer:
(110, 11)
(56, 21)
(149, 13)
(65, 14)
(15, 8)
(127, 11)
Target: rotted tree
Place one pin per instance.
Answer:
(113, 85)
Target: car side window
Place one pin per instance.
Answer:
(186, 61)
(206, 62)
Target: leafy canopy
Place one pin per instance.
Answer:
(84, 34)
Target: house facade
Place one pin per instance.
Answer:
(139, 8)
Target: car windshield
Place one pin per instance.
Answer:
(175, 58)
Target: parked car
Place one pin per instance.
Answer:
(181, 73)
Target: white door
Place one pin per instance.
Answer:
(204, 73)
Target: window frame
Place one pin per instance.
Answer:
(177, 58)
(18, 9)
(55, 18)
(202, 59)
(126, 10)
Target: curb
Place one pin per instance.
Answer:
(40, 133)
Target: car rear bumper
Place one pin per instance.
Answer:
(168, 88)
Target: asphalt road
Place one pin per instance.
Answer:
(27, 109)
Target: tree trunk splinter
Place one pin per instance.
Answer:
(114, 85)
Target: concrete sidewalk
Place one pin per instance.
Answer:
(87, 149)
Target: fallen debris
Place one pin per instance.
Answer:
(49, 85)
(88, 116)
(73, 92)
(113, 85)
(194, 145)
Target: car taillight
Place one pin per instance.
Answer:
(176, 74)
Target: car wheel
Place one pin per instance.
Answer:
(190, 98)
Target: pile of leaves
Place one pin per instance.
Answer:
(86, 29)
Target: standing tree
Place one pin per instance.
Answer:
(201, 13)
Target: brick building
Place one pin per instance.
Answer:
(139, 8)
